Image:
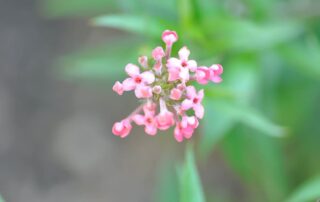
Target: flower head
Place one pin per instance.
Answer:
(166, 90)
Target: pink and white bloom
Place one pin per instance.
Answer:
(136, 78)
(148, 119)
(122, 128)
(188, 125)
(185, 128)
(194, 100)
(166, 91)
(179, 68)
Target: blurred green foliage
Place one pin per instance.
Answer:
(1, 199)
(189, 181)
(270, 51)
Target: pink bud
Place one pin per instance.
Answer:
(169, 37)
(122, 128)
(143, 61)
(165, 119)
(158, 53)
(178, 135)
(157, 89)
(118, 88)
(181, 86)
(175, 94)
(158, 66)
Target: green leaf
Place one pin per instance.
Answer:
(57, 8)
(144, 25)
(105, 62)
(189, 180)
(167, 188)
(216, 125)
(244, 35)
(251, 36)
(1, 199)
(250, 117)
(259, 161)
(309, 191)
(187, 10)
(304, 56)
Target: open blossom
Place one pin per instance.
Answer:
(194, 100)
(179, 68)
(185, 128)
(165, 87)
(148, 119)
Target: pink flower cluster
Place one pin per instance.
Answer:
(165, 82)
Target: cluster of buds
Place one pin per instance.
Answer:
(164, 83)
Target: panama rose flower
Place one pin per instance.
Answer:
(194, 100)
(185, 128)
(148, 119)
(164, 85)
(179, 68)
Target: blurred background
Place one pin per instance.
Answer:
(259, 140)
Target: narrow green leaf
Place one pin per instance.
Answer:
(309, 191)
(250, 36)
(216, 125)
(167, 188)
(246, 35)
(190, 184)
(104, 62)
(251, 118)
(1, 199)
(58, 8)
(186, 13)
(137, 24)
(266, 179)
(304, 57)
